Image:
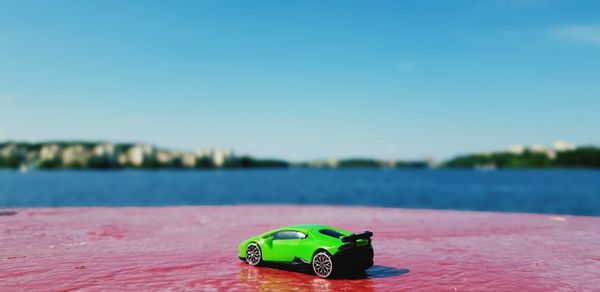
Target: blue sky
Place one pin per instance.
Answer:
(303, 79)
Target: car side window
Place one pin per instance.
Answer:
(282, 235)
(331, 233)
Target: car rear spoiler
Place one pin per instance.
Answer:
(355, 237)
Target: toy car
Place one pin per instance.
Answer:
(326, 249)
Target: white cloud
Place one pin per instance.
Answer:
(579, 34)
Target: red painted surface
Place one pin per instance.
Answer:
(162, 248)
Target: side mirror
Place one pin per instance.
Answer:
(269, 240)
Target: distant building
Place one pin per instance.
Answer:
(537, 148)
(516, 149)
(388, 163)
(218, 156)
(105, 150)
(49, 152)
(203, 152)
(122, 159)
(188, 160)
(75, 155)
(9, 150)
(564, 146)
(330, 163)
(138, 153)
(166, 157)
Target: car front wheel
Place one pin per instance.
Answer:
(322, 264)
(253, 254)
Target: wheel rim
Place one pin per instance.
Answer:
(322, 265)
(253, 254)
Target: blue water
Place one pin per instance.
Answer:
(538, 191)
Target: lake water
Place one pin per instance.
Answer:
(538, 191)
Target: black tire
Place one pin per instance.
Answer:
(322, 264)
(253, 254)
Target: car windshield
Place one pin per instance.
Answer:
(331, 233)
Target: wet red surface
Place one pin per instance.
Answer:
(195, 248)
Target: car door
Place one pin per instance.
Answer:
(285, 245)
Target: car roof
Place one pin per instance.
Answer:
(306, 227)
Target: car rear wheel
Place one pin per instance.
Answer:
(253, 254)
(322, 264)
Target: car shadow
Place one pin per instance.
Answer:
(374, 272)
(377, 271)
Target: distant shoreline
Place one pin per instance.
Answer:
(98, 155)
(293, 167)
(58, 155)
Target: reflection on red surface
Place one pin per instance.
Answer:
(282, 278)
(191, 248)
(265, 279)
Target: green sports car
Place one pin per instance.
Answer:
(326, 249)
